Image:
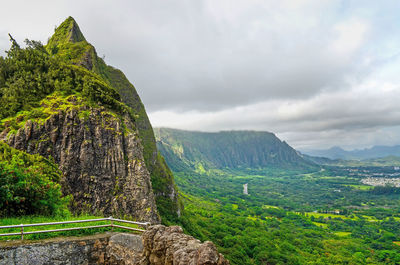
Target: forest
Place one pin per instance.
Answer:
(322, 217)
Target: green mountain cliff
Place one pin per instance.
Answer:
(185, 150)
(62, 100)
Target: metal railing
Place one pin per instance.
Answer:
(111, 224)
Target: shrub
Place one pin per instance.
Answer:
(29, 184)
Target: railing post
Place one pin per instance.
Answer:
(22, 232)
(112, 223)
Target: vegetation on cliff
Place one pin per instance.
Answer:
(39, 81)
(202, 151)
(69, 43)
(29, 184)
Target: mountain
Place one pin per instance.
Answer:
(387, 161)
(227, 149)
(357, 154)
(62, 101)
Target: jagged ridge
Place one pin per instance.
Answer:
(229, 149)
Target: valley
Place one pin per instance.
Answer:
(311, 215)
(329, 212)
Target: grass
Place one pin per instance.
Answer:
(360, 187)
(46, 219)
(328, 215)
(265, 206)
(322, 225)
(370, 218)
(342, 234)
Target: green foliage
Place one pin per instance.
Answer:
(31, 74)
(67, 32)
(276, 223)
(29, 184)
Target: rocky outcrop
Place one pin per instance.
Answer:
(68, 36)
(159, 245)
(169, 245)
(124, 249)
(101, 157)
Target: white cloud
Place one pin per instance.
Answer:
(317, 72)
(367, 111)
(350, 36)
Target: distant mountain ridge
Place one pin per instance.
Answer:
(184, 150)
(357, 154)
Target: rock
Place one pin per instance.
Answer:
(169, 245)
(101, 158)
(124, 249)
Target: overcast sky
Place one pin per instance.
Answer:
(317, 73)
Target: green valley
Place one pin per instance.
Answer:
(308, 215)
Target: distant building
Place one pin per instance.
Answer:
(245, 192)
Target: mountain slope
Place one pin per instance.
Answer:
(63, 101)
(71, 44)
(228, 149)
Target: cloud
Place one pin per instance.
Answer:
(361, 116)
(316, 72)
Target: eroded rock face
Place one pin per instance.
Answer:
(101, 158)
(169, 245)
(124, 249)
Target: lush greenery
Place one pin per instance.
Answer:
(29, 184)
(293, 214)
(28, 75)
(325, 217)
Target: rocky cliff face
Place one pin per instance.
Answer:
(67, 38)
(101, 157)
(169, 245)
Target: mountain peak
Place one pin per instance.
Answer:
(68, 31)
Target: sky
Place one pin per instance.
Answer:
(316, 73)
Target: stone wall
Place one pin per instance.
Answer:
(159, 245)
(85, 250)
